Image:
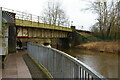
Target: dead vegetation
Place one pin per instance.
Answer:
(110, 47)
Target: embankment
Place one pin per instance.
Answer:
(110, 47)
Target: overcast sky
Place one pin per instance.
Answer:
(72, 8)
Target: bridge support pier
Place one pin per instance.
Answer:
(7, 32)
(60, 42)
(12, 39)
(75, 38)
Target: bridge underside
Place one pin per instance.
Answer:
(31, 32)
(41, 35)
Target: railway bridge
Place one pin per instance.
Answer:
(27, 27)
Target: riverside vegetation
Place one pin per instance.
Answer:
(102, 46)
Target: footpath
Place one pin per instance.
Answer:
(17, 68)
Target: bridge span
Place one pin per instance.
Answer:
(27, 27)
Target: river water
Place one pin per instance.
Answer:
(104, 63)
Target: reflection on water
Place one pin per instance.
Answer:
(104, 63)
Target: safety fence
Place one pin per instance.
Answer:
(23, 15)
(27, 19)
(60, 64)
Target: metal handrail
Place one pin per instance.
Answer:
(22, 15)
(68, 66)
(27, 19)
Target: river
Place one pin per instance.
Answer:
(104, 63)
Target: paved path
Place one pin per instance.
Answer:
(19, 66)
(15, 67)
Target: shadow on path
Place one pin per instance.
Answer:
(35, 71)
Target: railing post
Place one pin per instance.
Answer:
(22, 17)
(13, 11)
(31, 18)
(54, 64)
(80, 73)
(48, 59)
(38, 20)
(76, 71)
(62, 70)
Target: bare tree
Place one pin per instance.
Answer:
(54, 15)
(107, 17)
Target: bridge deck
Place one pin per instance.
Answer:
(26, 23)
(15, 67)
(29, 20)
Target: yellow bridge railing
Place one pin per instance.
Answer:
(30, 20)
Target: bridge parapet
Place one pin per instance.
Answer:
(30, 20)
(26, 23)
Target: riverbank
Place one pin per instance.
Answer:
(109, 47)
